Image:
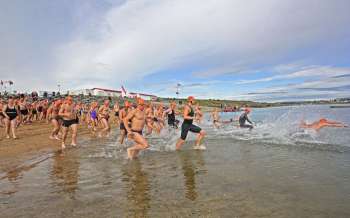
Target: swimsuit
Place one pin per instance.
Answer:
(24, 112)
(11, 112)
(68, 123)
(187, 125)
(93, 115)
(137, 131)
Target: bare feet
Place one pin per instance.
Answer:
(63, 146)
(199, 147)
(129, 154)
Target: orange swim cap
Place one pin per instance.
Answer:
(248, 110)
(190, 98)
(323, 120)
(140, 101)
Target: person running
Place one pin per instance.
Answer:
(198, 114)
(137, 118)
(116, 113)
(122, 114)
(11, 112)
(244, 118)
(171, 112)
(216, 118)
(93, 117)
(150, 123)
(52, 114)
(70, 120)
(188, 125)
(103, 113)
(317, 125)
(159, 117)
(23, 108)
(34, 111)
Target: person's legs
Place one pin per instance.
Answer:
(200, 136)
(64, 136)
(13, 128)
(105, 126)
(74, 128)
(55, 130)
(140, 144)
(122, 136)
(184, 131)
(7, 128)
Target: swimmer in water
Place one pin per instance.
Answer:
(171, 113)
(317, 125)
(103, 113)
(198, 114)
(123, 112)
(244, 118)
(216, 118)
(69, 120)
(137, 119)
(188, 125)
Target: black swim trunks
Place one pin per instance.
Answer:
(24, 112)
(137, 131)
(68, 123)
(185, 127)
(116, 114)
(122, 126)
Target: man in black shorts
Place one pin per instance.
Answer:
(188, 125)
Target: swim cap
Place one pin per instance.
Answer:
(140, 101)
(190, 98)
(247, 109)
(127, 104)
(323, 120)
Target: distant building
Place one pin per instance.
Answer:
(110, 93)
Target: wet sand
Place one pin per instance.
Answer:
(33, 140)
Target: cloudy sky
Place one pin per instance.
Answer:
(269, 50)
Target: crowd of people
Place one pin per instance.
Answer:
(65, 114)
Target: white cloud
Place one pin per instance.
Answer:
(137, 38)
(307, 71)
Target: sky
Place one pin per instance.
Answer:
(271, 50)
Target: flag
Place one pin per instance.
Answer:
(123, 92)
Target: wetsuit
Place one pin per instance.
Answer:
(187, 125)
(242, 119)
(172, 120)
(11, 112)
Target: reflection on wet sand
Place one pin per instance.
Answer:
(65, 171)
(190, 162)
(138, 187)
(16, 174)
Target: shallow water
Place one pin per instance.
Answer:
(276, 170)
